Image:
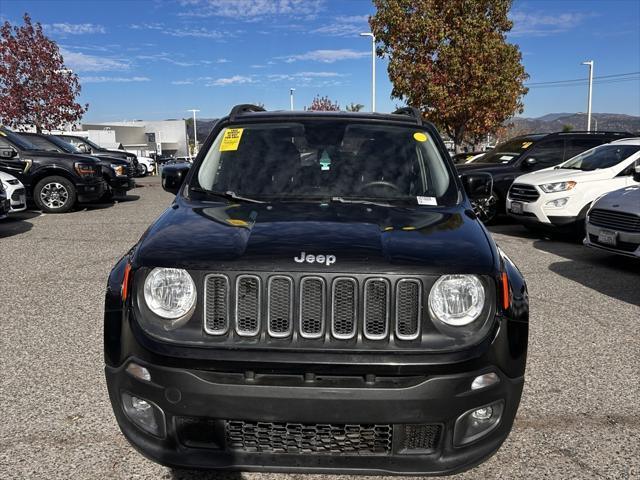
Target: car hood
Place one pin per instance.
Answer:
(363, 238)
(58, 156)
(551, 175)
(626, 199)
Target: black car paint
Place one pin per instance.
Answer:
(117, 183)
(31, 166)
(505, 173)
(104, 152)
(196, 234)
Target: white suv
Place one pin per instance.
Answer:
(15, 192)
(560, 196)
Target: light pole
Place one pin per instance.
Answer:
(373, 68)
(590, 63)
(291, 90)
(595, 121)
(195, 132)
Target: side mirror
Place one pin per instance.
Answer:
(477, 185)
(636, 173)
(530, 162)
(173, 176)
(8, 153)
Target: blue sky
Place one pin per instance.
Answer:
(155, 59)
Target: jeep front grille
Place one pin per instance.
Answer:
(301, 438)
(314, 308)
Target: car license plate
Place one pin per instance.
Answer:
(516, 207)
(607, 237)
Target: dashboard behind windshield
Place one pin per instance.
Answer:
(321, 159)
(508, 151)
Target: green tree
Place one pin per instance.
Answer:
(450, 58)
(567, 128)
(354, 107)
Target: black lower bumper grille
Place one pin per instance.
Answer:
(626, 222)
(299, 438)
(622, 246)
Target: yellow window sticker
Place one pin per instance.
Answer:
(420, 137)
(526, 144)
(231, 139)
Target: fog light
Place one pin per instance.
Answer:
(475, 424)
(144, 414)
(139, 372)
(484, 381)
(557, 203)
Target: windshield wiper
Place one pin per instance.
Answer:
(229, 195)
(362, 202)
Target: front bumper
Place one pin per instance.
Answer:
(626, 243)
(122, 183)
(287, 401)
(533, 213)
(88, 192)
(5, 206)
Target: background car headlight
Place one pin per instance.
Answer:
(457, 300)
(170, 293)
(557, 187)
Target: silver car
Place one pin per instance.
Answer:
(613, 222)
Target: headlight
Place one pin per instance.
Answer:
(457, 300)
(170, 293)
(86, 169)
(119, 169)
(557, 187)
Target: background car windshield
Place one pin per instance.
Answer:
(604, 156)
(17, 141)
(507, 151)
(63, 145)
(325, 159)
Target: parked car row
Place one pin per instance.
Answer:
(55, 175)
(572, 193)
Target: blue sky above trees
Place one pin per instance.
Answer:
(155, 59)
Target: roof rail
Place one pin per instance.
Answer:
(602, 132)
(411, 112)
(244, 108)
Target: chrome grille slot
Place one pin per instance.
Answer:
(376, 308)
(344, 308)
(408, 308)
(312, 307)
(216, 304)
(626, 222)
(247, 305)
(280, 306)
(523, 193)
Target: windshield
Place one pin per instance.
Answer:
(604, 156)
(507, 151)
(40, 143)
(327, 160)
(63, 145)
(17, 141)
(80, 140)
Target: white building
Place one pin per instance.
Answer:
(168, 137)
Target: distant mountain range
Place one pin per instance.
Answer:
(556, 122)
(552, 122)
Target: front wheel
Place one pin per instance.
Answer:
(55, 195)
(143, 170)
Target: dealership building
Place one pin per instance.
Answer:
(167, 137)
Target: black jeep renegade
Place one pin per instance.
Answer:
(319, 297)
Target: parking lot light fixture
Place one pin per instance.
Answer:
(373, 68)
(291, 90)
(590, 64)
(195, 131)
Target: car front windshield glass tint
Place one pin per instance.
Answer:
(41, 143)
(18, 141)
(508, 151)
(604, 156)
(320, 159)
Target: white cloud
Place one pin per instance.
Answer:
(350, 26)
(114, 79)
(223, 60)
(251, 10)
(326, 56)
(81, 62)
(235, 80)
(541, 25)
(182, 82)
(180, 32)
(73, 28)
(165, 57)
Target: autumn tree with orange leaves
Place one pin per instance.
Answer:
(451, 59)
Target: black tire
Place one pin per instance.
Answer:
(55, 195)
(143, 170)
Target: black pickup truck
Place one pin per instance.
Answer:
(90, 148)
(54, 181)
(306, 304)
(117, 173)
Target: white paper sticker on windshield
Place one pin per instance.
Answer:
(506, 157)
(427, 201)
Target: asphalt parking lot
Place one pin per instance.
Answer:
(580, 411)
